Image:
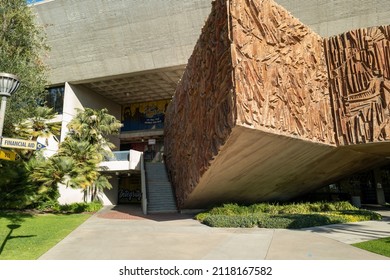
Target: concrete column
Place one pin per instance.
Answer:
(380, 194)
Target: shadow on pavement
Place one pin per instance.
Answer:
(134, 212)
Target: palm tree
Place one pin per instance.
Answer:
(98, 186)
(76, 163)
(48, 173)
(39, 125)
(94, 126)
(87, 143)
(86, 160)
(44, 175)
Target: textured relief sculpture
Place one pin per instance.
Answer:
(359, 72)
(201, 115)
(257, 73)
(280, 72)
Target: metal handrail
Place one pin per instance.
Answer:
(143, 188)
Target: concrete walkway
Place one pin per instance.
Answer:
(122, 233)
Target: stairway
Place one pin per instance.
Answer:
(158, 189)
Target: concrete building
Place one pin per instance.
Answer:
(128, 56)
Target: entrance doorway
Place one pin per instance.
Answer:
(129, 189)
(153, 149)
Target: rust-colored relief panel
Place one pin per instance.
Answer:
(359, 72)
(280, 72)
(257, 73)
(202, 113)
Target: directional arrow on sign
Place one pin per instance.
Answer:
(40, 146)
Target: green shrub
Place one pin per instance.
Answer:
(201, 216)
(293, 216)
(268, 221)
(263, 208)
(16, 192)
(361, 214)
(80, 207)
(247, 221)
(295, 221)
(94, 206)
(50, 206)
(344, 205)
(229, 209)
(295, 208)
(314, 220)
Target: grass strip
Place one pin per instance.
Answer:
(379, 246)
(26, 236)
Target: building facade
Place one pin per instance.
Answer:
(128, 57)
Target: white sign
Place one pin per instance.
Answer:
(19, 144)
(152, 141)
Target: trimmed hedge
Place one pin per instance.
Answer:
(81, 207)
(231, 221)
(77, 207)
(291, 216)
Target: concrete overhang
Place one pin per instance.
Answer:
(91, 39)
(143, 86)
(134, 51)
(269, 110)
(256, 166)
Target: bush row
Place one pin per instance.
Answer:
(291, 216)
(289, 221)
(292, 208)
(77, 207)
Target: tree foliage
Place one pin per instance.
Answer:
(18, 186)
(22, 50)
(77, 161)
(88, 144)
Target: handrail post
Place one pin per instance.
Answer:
(143, 187)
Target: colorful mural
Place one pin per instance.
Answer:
(143, 116)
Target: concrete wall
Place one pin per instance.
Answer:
(99, 38)
(108, 197)
(332, 17)
(79, 97)
(69, 195)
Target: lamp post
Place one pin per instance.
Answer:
(8, 85)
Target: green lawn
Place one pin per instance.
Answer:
(379, 246)
(27, 236)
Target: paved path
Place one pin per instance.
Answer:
(124, 233)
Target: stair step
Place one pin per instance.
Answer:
(159, 190)
(163, 180)
(160, 198)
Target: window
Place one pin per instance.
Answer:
(55, 98)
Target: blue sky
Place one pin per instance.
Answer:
(33, 1)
